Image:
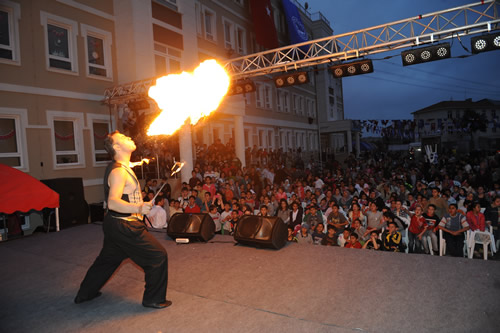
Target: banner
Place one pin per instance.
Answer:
(263, 22)
(296, 30)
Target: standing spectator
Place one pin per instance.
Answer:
(432, 221)
(492, 216)
(416, 231)
(439, 202)
(454, 225)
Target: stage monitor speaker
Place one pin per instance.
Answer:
(73, 209)
(261, 231)
(193, 226)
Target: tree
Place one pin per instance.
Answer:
(472, 122)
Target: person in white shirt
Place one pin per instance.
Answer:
(158, 216)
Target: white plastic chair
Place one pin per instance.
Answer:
(442, 243)
(491, 242)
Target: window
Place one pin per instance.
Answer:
(279, 100)
(295, 103)
(10, 13)
(199, 18)
(301, 105)
(209, 24)
(313, 109)
(13, 149)
(259, 95)
(286, 102)
(60, 42)
(228, 34)
(98, 51)
(167, 59)
(268, 99)
(67, 138)
(100, 129)
(241, 40)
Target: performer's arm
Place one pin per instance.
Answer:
(117, 180)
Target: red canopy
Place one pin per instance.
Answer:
(21, 192)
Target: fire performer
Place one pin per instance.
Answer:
(125, 234)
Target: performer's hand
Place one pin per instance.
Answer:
(145, 208)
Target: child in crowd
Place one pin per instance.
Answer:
(318, 234)
(216, 217)
(353, 242)
(343, 237)
(304, 237)
(373, 243)
(330, 238)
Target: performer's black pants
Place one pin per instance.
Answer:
(128, 239)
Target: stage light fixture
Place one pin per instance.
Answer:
(485, 43)
(241, 87)
(291, 79)
(352, 68)
(426, 54)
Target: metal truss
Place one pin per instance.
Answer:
(469, 19)
(129, 91)
(422, 29)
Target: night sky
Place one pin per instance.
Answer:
(393, 91)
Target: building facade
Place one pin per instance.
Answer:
(58, 56)
(450, 125)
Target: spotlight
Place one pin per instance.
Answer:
(291, 79)
(241, 87)
(426, 54)
(352, 68)
(485, 43)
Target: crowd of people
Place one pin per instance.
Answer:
(380, 201)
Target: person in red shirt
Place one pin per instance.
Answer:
(192, 207)
(416, 231)
(475, 218)
(353, 242)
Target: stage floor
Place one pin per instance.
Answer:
(219, 287)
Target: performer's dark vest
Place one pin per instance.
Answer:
(111, 166)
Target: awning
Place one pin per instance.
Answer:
(21, 192)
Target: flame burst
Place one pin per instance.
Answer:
(188, 95)
(141, 162)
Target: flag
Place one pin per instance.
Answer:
(296, 29)
(263, 21)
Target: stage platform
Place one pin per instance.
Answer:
(219, 287)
